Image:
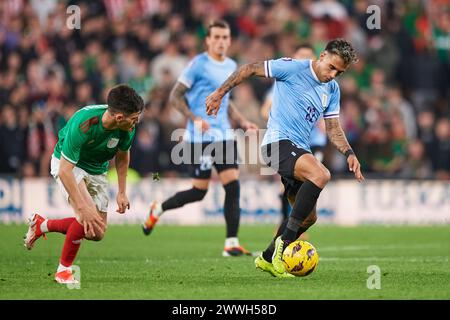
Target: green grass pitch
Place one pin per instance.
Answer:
(180, 262)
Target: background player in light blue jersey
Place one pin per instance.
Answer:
(318, 138)
(210, 142)
(304, 90)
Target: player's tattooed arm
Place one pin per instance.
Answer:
(242, 73)
(337, 135)
(178, 100)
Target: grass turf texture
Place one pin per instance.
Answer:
(177, 262)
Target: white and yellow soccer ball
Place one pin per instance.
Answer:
(300, 258)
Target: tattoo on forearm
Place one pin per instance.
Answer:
(337, 135)
(242, 73)
(178, 100)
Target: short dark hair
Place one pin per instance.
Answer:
(123, 98)
(343, 49)
(217, 24)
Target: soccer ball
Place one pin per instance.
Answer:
(300, 258)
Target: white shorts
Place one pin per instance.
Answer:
(97, 185)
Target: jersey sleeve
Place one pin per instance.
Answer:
(189, 74)
(77, 134)
(332, 111)
(279, 69)
(126, 140)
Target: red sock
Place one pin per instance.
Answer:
(59, 225)
(75, 234)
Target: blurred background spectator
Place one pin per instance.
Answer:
(395, 105)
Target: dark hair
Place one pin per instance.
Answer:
(123, 98)
(343, 49)
(217, 24)
(304, 45)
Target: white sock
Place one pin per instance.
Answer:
(231, 242)
(63, 268)
(158, 210)
(44, 227)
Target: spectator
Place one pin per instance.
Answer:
(440, 149)
(12, 142)
(170, 60)
(417, 165)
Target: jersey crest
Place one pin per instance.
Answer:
(324, 100)
(112, 143)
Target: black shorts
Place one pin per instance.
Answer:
(281, 157)
(222, 155)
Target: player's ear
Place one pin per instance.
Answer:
(322, 55)
(119, 116)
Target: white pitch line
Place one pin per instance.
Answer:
(377, 259)
(380, 247)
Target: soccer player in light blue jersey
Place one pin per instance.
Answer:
(304, 91)
(210, 141)
(318, 138)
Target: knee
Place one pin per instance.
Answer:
(322, 177)
(326, 175)
(99, 235)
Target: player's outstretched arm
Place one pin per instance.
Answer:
(122, 162)
(337, 137)
(244, 72)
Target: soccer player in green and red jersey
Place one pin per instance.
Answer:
(93, 135)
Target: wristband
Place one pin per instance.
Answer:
(348, 153)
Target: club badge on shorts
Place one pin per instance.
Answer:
(112, 143)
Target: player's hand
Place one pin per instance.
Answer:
(249, 126)
(122, 202)
(213, 102)
(91, 220)
(355, 167)
(201, 124)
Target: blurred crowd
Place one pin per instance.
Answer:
(395, 102)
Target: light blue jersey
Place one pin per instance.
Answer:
(299, 99)
(318, 138)
(202, 76)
